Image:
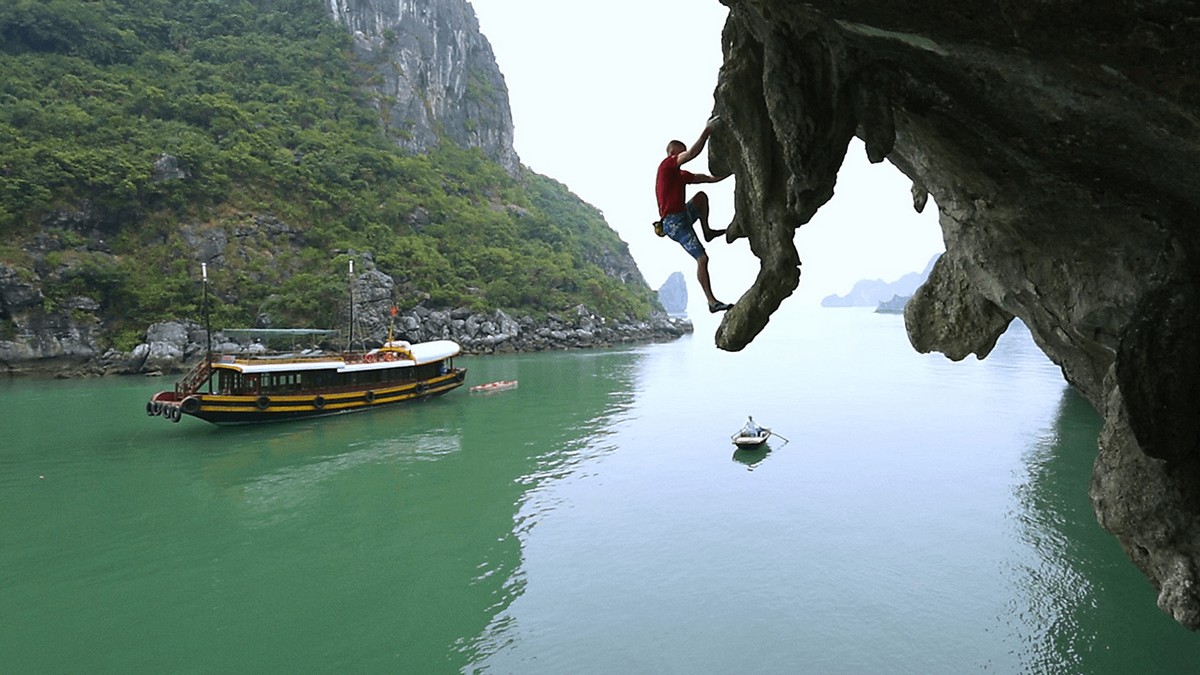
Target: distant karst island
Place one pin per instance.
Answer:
(886, 297)
(673, 295)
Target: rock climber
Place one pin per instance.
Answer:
(677, 217)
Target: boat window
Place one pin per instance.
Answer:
(318, 379)
(282, 382)
(232, 383)
(428, 370)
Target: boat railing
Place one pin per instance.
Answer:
(274, 359)
(190, 384)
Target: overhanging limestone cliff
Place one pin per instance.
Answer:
(1061, 143)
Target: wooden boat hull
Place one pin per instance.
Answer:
(232, 410)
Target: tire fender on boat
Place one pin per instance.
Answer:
(421, 388)
(319, 402)
(150, 408)
(190, 405)
(369, 397)
(262, 402)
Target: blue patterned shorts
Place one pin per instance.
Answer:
(679, 226)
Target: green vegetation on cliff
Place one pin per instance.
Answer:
(140, 136)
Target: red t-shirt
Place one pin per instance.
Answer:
(670, 186)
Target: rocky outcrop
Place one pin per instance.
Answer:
(48, 336)
(496, 331)
(1061, 144)
(894, 306)
(434, 74)
(171, 347)
(673, 294)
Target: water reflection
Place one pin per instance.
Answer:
(752, 457)
(236, 455)
(1083, 607)
(564, 419)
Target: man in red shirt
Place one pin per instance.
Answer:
(678, 219)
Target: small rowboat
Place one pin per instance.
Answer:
(752, 436)
(494, 386)
(743, 440)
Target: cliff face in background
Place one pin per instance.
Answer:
(141, 139)
(1061, 143)
(435, 73)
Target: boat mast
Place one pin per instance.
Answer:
(207, 321)
(350, 340)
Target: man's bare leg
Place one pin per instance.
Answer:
(702, 277)
(701, 202)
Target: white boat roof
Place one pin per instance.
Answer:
(423, 352)
(428, 352)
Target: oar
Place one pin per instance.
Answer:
(779, 435)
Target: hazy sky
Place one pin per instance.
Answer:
(598, 89)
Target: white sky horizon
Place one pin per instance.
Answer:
(592, 109)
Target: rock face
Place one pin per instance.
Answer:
(29, 332)
(1061, 143)
(673, 294)
(496, 331)
(434, 74)
(173, 347)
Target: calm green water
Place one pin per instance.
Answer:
(925, 517)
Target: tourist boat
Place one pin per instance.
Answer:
(494, 386)
(227, 389)
(240, 390)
